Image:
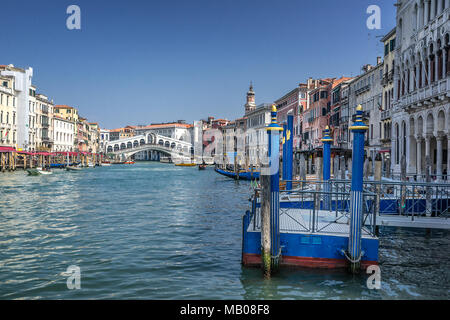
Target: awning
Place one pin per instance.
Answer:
(7, 149)
(385, 151)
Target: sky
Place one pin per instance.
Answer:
(140, 62)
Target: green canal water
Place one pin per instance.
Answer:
(156, 231)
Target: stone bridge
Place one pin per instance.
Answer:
(125, 148)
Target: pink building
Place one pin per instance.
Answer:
(315, 116)
(292, 103)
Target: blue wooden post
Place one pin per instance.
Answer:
(273, 131)
(284, 145)
(289, 150)
(356, 192)
(327, 141)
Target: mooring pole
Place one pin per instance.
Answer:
(356, 192)
(327, 141)
(273, 132)
(265, 222)
(377, 177)
(284, 145)
(289, 150)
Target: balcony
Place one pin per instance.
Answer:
(385, 114)
(423, 96)
(362, 89)
(387, 78)
(6, 90)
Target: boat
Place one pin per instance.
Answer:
(165, 160)
(33, 172)
(105, 164)
(38, 172)
(185, 164)
(201, 166)
(72, 168)
(243, 175)
(129, 162)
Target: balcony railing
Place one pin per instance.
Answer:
(385, 114)
(417, 97)
(363, 89)
(6, 90)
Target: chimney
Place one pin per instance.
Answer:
(378, 60)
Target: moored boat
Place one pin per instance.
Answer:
(72, 168)
(243, 175)
(185, 164)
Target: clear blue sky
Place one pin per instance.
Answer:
(137, 62)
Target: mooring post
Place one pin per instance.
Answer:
(265, 223)
(377, 177)
(327, 141)
(289, 150)
(273, 132)
(402, 187)
(302, 169)
(342, 167)
(429, 208)
(283, 159)
(356, 192)
(319, 173)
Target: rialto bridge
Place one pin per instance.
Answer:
(152, 143)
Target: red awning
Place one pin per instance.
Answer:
(7, 149)
(43, 153)
(385, 151)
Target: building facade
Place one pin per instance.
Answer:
(20, 103)
(8, 129)
(63, 134)
(388, 93)
(366, 90)
(421, 109)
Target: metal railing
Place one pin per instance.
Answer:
(406, 197)
(309, 208)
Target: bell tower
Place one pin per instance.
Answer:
(250, 105)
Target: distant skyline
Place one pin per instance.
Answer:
(141, 62)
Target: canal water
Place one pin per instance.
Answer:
(156, 231)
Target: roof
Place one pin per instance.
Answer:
(389, 34)
(167, 125)
(63, 106)
(340, 80)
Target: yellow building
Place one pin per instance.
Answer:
(8, 125)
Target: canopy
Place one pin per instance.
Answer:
(7, 149)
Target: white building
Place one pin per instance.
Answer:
(22, 86)
(63, 134)
(104, 137)
(421, 109)
(366, 90)
(256, 133)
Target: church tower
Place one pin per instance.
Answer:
(250, 105)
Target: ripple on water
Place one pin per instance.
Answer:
(156, 231)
